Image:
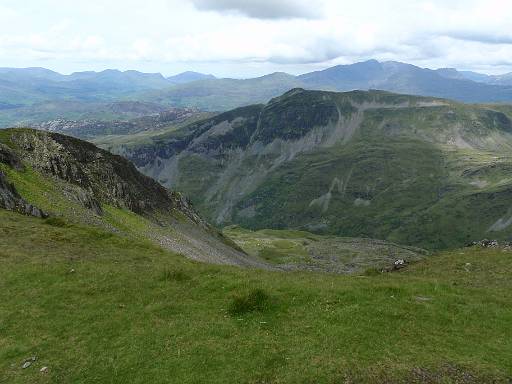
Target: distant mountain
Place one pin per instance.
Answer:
(222, 94)
(475, 76)
(23, 91)
(31, 72)
(413, 170)
(452, 73)
(503, 80)
(36, 85)
(187, 77)
(407, 79)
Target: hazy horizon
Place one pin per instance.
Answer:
(209, 73)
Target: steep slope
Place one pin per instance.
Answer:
(413, 170)
(70, 179)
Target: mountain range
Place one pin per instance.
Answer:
(222, 94)
(25, 93)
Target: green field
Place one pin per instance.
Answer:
(95, 307)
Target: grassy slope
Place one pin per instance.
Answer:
(132, 312)
(291, 249)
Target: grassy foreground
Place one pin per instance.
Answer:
(95, 307)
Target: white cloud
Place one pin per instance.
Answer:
(264, 9)
(244, 38)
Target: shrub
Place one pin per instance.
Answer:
(56, 222)
(372, 272)
(174, 275)
(254, 300)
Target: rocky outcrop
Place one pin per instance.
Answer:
(12, 201)
(94, 176)
(9, 197)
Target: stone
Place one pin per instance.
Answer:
(44, 370)
(399, 264)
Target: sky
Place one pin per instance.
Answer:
(254, 37)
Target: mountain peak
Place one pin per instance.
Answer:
(189, 76)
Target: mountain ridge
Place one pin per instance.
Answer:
(361, 163)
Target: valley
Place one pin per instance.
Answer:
(317, 236)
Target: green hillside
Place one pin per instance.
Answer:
(420, 171)
(96, 307)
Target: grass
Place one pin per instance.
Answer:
(254, 300)
(126, 314)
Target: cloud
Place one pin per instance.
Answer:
(252, 37)
(264, 9)
(486, 38)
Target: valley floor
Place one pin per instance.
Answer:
(95, 307)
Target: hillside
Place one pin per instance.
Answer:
(72, 181)
(411, 170)
(93, 306)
